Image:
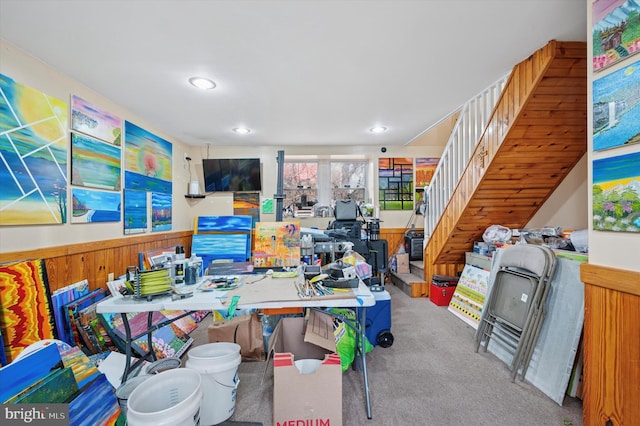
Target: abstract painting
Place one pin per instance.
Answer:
(616, 193)
(160, 212)
(616, 31)
(277, 244)
(247, 204)
(616, 108)
(94, 164)
(33, 156)
(91, 206)
(395, 180)
(135, 212)
(147, 160)
(26, 315)
(95, 122)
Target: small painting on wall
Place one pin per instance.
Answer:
(33, 148)
(616, 193)
(94, 164)
(135, 212)
(95, 122)
(616, 108)
(160, 212)
(616, 31)
(90, 206)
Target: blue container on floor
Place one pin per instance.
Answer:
(378, 320)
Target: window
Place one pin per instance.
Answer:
(312, 187)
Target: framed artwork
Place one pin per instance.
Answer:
(395, 183)
(147, 160)
(616, 108)
(33, 149)
(135, 212)
(616, 193)
(95, 122)
(160, 212)
(94, 164)
(90, 206)
(469, 297)
(616, 31)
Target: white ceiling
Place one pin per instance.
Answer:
(295, 72)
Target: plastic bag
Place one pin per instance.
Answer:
(497, 234)
(346, 337)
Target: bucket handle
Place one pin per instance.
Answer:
(232, 386)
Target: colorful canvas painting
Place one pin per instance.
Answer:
(33, 156)
(247, 204)
(277, 244)
(468, 299)
(96, 122)
(91, 206)
(616, 108)
(208, 224)
(212, 247)
(96, 404)
(135, 211)
(616, 193)
(94, 164)
(160, 212)
(147, 160)
(267, 206)
(26, 315)
(395, 183)
(425, 168)
(616, 31)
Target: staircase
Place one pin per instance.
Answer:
(413, 284)
(500, 168)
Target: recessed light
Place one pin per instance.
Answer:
(202, 83)
(378, 129)
(242, 130)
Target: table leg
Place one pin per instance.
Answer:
(362, 313)
(127, 347)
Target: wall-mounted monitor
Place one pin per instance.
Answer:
(232, 174)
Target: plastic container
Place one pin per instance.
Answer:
(170, 398)
(123, 392)
(217, 363)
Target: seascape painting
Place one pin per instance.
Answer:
(207, 224)
(616, 108)
(160, 212)
(94, 164)
(91, 206)
(95, 122)
(33, 156)
(616, 31)
(395, 179)
(147, 160)
(616, 193)
(210, 247)
(135, 212)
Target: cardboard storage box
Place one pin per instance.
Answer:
(314, 398)
(402, 263)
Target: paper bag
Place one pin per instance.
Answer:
(245, 330)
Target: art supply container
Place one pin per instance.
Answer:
(217, 363)
(170, 398)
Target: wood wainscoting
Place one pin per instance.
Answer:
(611, 346)
(94, 261)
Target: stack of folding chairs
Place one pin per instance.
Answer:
(515, 308)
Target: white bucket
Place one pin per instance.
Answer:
(218, 364)
(170, 398)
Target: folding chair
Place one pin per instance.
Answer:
(514, 308)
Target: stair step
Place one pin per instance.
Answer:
(416, 267)
(410, 284)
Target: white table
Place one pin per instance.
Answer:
(257, 294)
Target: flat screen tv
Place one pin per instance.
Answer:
(232, 174)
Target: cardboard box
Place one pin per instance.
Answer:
(314, 398)
(402, 263)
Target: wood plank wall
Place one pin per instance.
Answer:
(95, 260)
(611, 346)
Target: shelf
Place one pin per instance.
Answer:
(194, 196)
